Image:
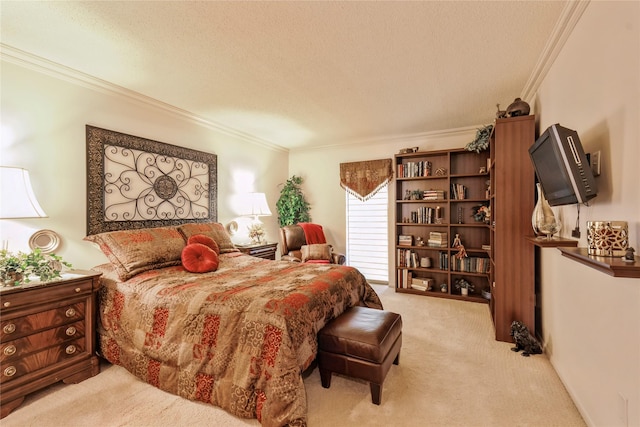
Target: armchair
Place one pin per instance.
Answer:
(294, 246)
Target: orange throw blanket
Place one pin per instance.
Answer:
(312, 233)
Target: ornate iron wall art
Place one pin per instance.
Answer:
(134, 182)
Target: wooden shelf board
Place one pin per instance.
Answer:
(613, 266)
(555, 242)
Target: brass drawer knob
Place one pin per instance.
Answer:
(9, 350)
(70, 349)
(7, 303)
(9, 328)
(78, 290)
(70, 312)
(71, 331)
(10, 371)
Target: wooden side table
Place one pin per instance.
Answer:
(47, 334)
(262, 250)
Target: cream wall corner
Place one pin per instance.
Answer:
(591, 321)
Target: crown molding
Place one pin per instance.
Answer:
(36, 63)
(409, 139)
(568, 20)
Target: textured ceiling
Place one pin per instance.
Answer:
(300, 74)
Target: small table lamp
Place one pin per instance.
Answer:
(256, 206)
(17, 200)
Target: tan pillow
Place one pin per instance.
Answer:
(321, 251)
(215, 230)
(132, 252)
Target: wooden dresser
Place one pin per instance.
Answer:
(47, 334)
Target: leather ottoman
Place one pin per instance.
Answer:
(360, 343)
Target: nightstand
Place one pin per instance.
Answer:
(47, 334)
(261, 250)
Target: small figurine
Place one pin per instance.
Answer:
(457, 243)
(628, 256)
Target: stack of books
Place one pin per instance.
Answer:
(433, 195)
(437, 239)
(421, 284)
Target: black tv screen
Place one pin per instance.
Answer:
(562, 167)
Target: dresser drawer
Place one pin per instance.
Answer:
(41, 340)
(15, 368)
(44, 294)
(18, 327)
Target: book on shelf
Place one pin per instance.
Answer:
(437, 239)
(423, 282)
(425, 215)
(443, 260)
(414, 169)
(458, 191)
(405, 240)
(433, 195)
(407, 258)
(470, 264)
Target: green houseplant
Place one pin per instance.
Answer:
(464, 286)
(292, 206)
(21, 267)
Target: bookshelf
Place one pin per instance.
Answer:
(512, 200)
(437, 193)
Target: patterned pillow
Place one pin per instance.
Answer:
(135, 251)
(215, 230)
(205, 240)
(199, 258)
(316, 252)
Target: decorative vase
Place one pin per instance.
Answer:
(464, 291)
(543, 219)
(518, 108)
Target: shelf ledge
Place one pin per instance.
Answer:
(555, 242)
(613, 266)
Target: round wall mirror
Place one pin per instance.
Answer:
(45, 240)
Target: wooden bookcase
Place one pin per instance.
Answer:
(512, 199)
(438, 174)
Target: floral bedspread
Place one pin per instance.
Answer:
(238, 338)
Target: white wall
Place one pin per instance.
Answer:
(591, 321)
(43, 130)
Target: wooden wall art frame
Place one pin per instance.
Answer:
(133, 182)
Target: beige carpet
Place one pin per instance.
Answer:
(452, 373)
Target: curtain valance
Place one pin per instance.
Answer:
(364, 179)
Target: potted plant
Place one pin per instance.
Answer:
(19, 268)
(464, 286)
(482, 213)
(292, 206)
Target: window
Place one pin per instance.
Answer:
(367, 235)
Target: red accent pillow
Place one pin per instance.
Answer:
(205, 240)
(198, 258)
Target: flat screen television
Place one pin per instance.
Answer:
(562, 167)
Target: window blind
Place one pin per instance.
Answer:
(367, 235)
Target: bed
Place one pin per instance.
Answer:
(239, 337)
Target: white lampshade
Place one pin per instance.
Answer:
(256, 205)
(16, 195)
